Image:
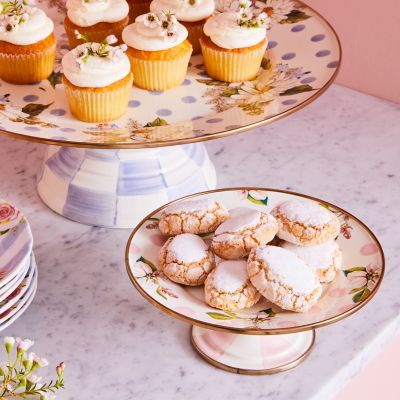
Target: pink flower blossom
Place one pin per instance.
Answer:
(7, 212)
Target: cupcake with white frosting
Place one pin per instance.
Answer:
(95, 19)
(191, 13)
(27, 43)
(158, 51)
(97, 80)
(234, 43)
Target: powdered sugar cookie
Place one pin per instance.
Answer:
(283, 278)
(186, 259)
(246, 228)
(305, 222)
(228, 287)
(325, 259)
(192, 216)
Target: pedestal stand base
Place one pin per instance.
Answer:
(117, 188)
(252, 354)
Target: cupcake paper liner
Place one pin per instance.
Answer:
(27, 68)
(95, 35)
(98, 104)
(232, 66)
(159, 75)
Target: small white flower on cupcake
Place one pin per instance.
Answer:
(251, 17)
(164, 24)
(103, 50)
(14, 13)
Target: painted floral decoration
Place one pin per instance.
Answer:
(256, 320)
(8, 213)
(14, 13)
(253, 96)
(148, 271)
(364, 279)
(278, 11)
(255, 196)
(18, 374)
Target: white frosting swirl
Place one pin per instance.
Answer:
(91, 13)
(37, 27)
(96, 71)
(143, 37)
(183, 10)
(224, 30)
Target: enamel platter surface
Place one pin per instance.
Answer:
(302, 60)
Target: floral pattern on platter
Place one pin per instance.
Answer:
(278, 11)
(200, 107)
(258, 320)
(255, 196)
(253, 96)
(149, 272)
(345, 227)
(10, 216)
(364, 279)
(353, 285)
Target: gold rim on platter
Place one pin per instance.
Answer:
(205, 137)
(251, 331)
(243, 371)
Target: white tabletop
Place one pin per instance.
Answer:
(343, 148)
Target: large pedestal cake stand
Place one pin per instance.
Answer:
(263, 339)
(112, 174)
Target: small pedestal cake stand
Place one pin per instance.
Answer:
(263, 339)
(112, 174)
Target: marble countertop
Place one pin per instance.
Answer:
(343, 148)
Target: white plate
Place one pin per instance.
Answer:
(19, 291)
(15, 244)
(21, 302)
(19, 274)
(29, 300)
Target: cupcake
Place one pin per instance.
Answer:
(158, 51)
(191, 13)
(138, 7)
(95, 19)
(234, 43)
(27, 43)
(97, 80)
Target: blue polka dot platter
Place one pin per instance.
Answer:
(301, 61)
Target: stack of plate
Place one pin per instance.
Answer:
(18, 270)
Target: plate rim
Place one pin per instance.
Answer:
(204, 138)
(254, 331)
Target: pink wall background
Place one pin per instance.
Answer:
(379, 380)
(370, 36)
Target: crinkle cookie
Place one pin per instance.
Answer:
(228, 287)
(305, 222)
(246, 228)
(283, 278)
(192, 216)
(325, 259)
(186, 259)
